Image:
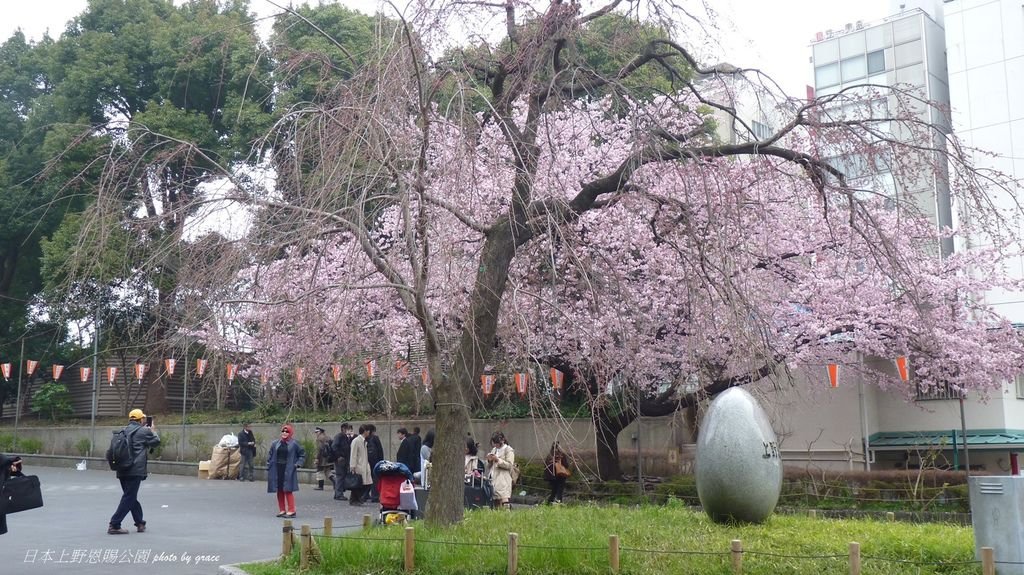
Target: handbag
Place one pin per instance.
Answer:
(561, 471)
(351, 481)
(21, 494)
(407, 497)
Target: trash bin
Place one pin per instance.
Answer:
(996, 514)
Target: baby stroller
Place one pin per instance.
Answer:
(397, 494)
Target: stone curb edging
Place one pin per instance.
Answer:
(235, 569)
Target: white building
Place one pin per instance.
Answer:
(983, 84)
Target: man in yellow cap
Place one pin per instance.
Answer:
(140, 439)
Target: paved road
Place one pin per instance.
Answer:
(192, 525)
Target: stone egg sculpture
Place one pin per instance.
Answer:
(739, 471)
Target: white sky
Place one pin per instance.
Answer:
(773, 36)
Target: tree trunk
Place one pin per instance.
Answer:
(608, 428)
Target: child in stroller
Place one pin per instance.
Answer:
(397, 495)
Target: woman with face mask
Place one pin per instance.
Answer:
(284, 459)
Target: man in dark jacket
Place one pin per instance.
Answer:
(417, 443)
(247, 449)
(375, 453)
(7, 466)
(140, 439)
(342, 446)
(406, 452)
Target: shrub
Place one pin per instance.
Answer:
(52, 400)
(83, 445)
(200, 445)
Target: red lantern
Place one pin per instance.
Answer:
(487, 384)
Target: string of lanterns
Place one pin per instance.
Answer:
(487, 381)
(520, 380)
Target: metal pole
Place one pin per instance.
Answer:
(184, 397)
(963, 432)
(95, 386)
(864, 415)
(17, 404)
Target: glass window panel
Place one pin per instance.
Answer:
(910, 53)
(851, 45)
(826, 52)
(913, 75)
(906, 30)
(854, 69)
(876, 62)
(878, 37)
(827, 75)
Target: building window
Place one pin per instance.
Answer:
(876, 62)
(1019, 380)
(944, 391)
(853, 69)
(827, 75)
(826, 52)
(761, 131)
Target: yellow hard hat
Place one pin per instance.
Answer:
(136, 414)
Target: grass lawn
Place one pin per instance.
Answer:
(574, 540)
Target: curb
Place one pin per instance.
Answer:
(236, 569)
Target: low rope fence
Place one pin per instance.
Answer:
(309, 551)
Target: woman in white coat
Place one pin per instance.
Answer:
(359, 464)
(500, 461)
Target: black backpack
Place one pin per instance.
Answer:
(119, 455)
(327, 454)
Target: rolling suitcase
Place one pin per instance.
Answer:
(475, 494)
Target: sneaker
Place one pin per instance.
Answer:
(111, 530)
(289, 515)
(140, 527)
(282, 514)
(341, 498)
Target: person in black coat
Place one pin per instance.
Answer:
(407, 453)
(8, 464)
(375, 453)
(247, 449)
(284, 459)
(342, 447)
(417, 443)
(141, 440)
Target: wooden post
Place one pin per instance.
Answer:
(304, 547)
(988, 561)
(513, 553)
(410, 549)
(737, 556)
(812, 513)
(367, 521)
(890, 516)
(613, 552)
(328, 526)
(286, 538)
(854, 558)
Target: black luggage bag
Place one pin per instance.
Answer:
(21, 494)
(476, 494)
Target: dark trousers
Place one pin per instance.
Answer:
(340, 471)
(246, 471)
(358, 495)
(557, 489)
(129, 502)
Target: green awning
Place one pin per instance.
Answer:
(980, 438)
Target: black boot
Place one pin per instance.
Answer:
(319, 486)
